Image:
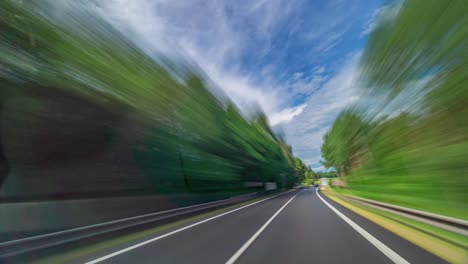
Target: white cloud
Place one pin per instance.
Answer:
(305, 132)
(329, 41)
(318, 168)
(306, 84)
(383, 15)
(218, 34)
(244, 92)
(286, 115)
(207, 33)
(308, 161)
(328, 32)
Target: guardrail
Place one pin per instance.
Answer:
(24, 245)
(455, 225)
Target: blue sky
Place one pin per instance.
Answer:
(296, 59)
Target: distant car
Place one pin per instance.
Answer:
(316, 185)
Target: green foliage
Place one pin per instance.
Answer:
(407, 141)
(303, 173)
(344, 142)
(307, 182)
(327, 174)
(182, 136)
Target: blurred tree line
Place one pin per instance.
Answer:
(85, 110)
(305, 174)
(406, 142)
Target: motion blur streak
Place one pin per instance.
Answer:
(101, 138)
(406, 141)
(87, 114)
(84, 110)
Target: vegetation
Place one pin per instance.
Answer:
(85, 110)
(328, 174)
(303, 173)
(406, 141)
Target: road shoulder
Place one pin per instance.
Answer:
(435, 246)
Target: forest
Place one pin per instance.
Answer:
(85, 111)
(406, 141)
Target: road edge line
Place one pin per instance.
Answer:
(392, 255)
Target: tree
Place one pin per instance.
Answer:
(345, 142)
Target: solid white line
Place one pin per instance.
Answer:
(106, 223)
(374, 241)
(252, 239)
(176, 231)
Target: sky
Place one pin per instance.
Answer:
(297, 60)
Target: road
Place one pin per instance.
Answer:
(296, 227)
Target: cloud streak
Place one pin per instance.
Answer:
(287, 115)
(215, 35)
(306, 131)
(284, 56)
(381, 15)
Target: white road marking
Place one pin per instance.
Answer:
(244, 247)
(104, 223)
(176, 231)
(392, 255)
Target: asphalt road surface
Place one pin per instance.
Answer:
(301, 226)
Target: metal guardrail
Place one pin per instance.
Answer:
(451, 224)
(24, 245)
